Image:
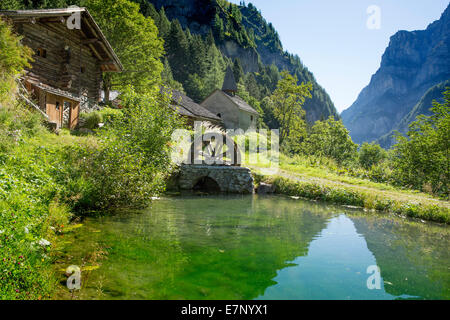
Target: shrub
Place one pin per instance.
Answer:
(108, 115)
(91, 120)
(128, 165)
(422, 159)
(371, 154)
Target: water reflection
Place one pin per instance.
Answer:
(243, 247)
(335, 268)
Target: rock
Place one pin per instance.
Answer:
(413, 63)
(264, 188)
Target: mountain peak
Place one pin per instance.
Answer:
(413, 62)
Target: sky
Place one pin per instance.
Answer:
(333, 39)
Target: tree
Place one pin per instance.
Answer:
(218, 27)
(237, 70)
(14, 58)
(195, 87)
(11, 5)
(252, 86)
(214, 69)
(167, 78)
(422, 159)
(288, 99)
(178, 51)
(135, 41)
(371, 154)
(164, 24)
(330, 139)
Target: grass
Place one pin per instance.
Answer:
(32, 213)
(423, 207)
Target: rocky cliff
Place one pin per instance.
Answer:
(413, 63)
(264, 48)
(435, 93)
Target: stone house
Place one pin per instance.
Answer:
(232, 109)
(70, 55)
(187, 108)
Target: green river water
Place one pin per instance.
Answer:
(254, 247)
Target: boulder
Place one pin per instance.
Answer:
(265, 188)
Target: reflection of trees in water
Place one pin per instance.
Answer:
(413, 257)
(237, 246)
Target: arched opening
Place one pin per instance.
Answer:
(206, 184)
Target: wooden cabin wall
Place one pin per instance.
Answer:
(53, 37)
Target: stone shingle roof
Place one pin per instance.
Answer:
(187, 107)
(241, 103)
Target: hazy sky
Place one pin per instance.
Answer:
(332, 38)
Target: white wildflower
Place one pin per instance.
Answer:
(44, 242)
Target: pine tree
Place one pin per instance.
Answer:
(237, 70)
(167, 77)
(197, 51)
(218, 28)
(163, 25)
(178, 51)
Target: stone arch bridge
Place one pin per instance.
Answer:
(230, 179)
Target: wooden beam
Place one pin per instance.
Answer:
(99, 57)
(107, 62)
(53, 20)
(89, 41)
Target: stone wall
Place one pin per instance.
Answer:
(230, 179)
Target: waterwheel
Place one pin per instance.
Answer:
(215, 148)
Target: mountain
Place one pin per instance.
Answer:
(240, 32)
(421, 108)
(413, 63)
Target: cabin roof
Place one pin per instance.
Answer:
(94, 37)
(186, 106)
(55, 91)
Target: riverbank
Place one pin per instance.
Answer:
(356, 192)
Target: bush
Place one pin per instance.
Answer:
(128, 164)
(108, 115)
(380, 173)
(422, 159)
(91, 120)
(330, 139)
(371, 154)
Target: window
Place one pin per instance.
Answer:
(219, 115)
(251, 118)
(57, 105)
(82, 69)
(41, 53)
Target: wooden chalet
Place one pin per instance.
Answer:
(70, 54)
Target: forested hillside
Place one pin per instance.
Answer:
(203, 37)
